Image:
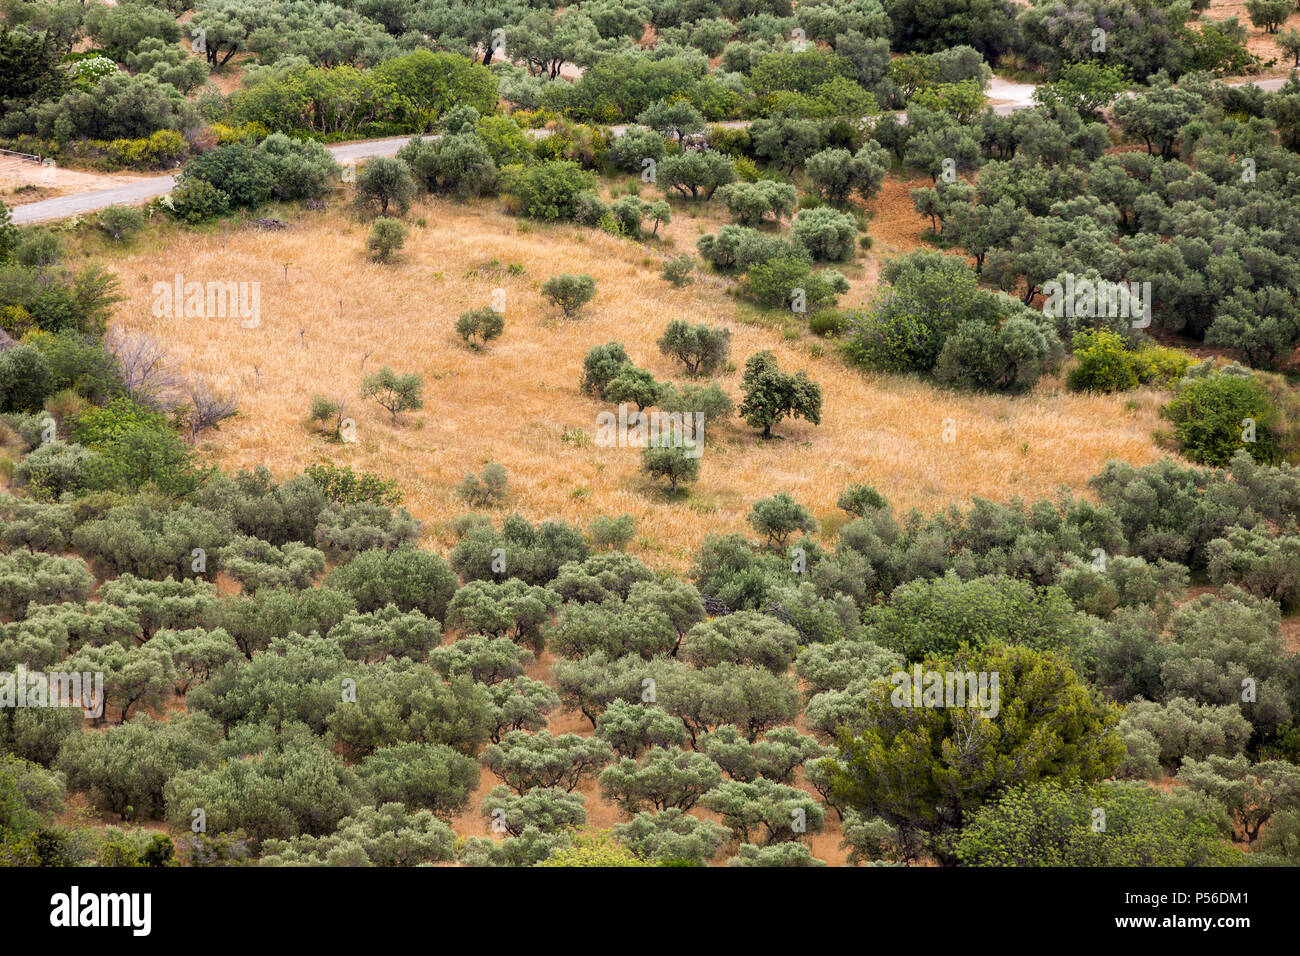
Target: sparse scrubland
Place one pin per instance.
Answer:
(372, 500)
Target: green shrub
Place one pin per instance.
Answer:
(547, 190)
(486, 489)
(826, 234)
(121, 222)
(387, 236)
(679, 271)
(1215, 417)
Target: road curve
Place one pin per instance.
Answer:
(142, 190)
(1008, 96)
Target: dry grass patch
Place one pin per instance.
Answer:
(512, 403)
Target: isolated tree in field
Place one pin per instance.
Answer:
(524, 761)
(397, 393)
(703, 349)
(385, 181)
(488, 488)
(327, 413)
(678, 118)
(660, 212)
(771, 395)
(670, 460)
(569, 292)
(778, 517)
(387, 236)
(679, 271)
(121, 222)
(480, 326)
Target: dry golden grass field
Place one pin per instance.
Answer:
(513, 403)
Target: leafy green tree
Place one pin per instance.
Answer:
(480, 326)
(385, 181)
(1215, 417)
(546, 809)
(388, 835)
(569, 292)
(510, 609)
(1163, 734)
(671, 835)
(771, 395)
(782, 751)
(488, 488)
(125, 769)
(924, 769)
(670, 460)
(1251, 793)
(295, 787)
(121, 222)
(616, 627)
(519, 704)
(702, 348)
(677, 118)
(1055, 824)
(744, 637)
(601, 365)
(666, 778)
(420, 777)
(394, 392)
(697, 174)
(751, 203)
(936, 616)
(409, 577)
(143, 676)
(826, 234)
(1289, 42)
(1268, 14)
(524, 761)
(401, 701)
(547, 190)
(486, 660)
(836, 173)
(387, 236)
(765, 810)
(774, 854)
(386, 632)
(634, 386)
(633, 728)
(778, 517)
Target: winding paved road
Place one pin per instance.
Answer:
(1007, 97)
